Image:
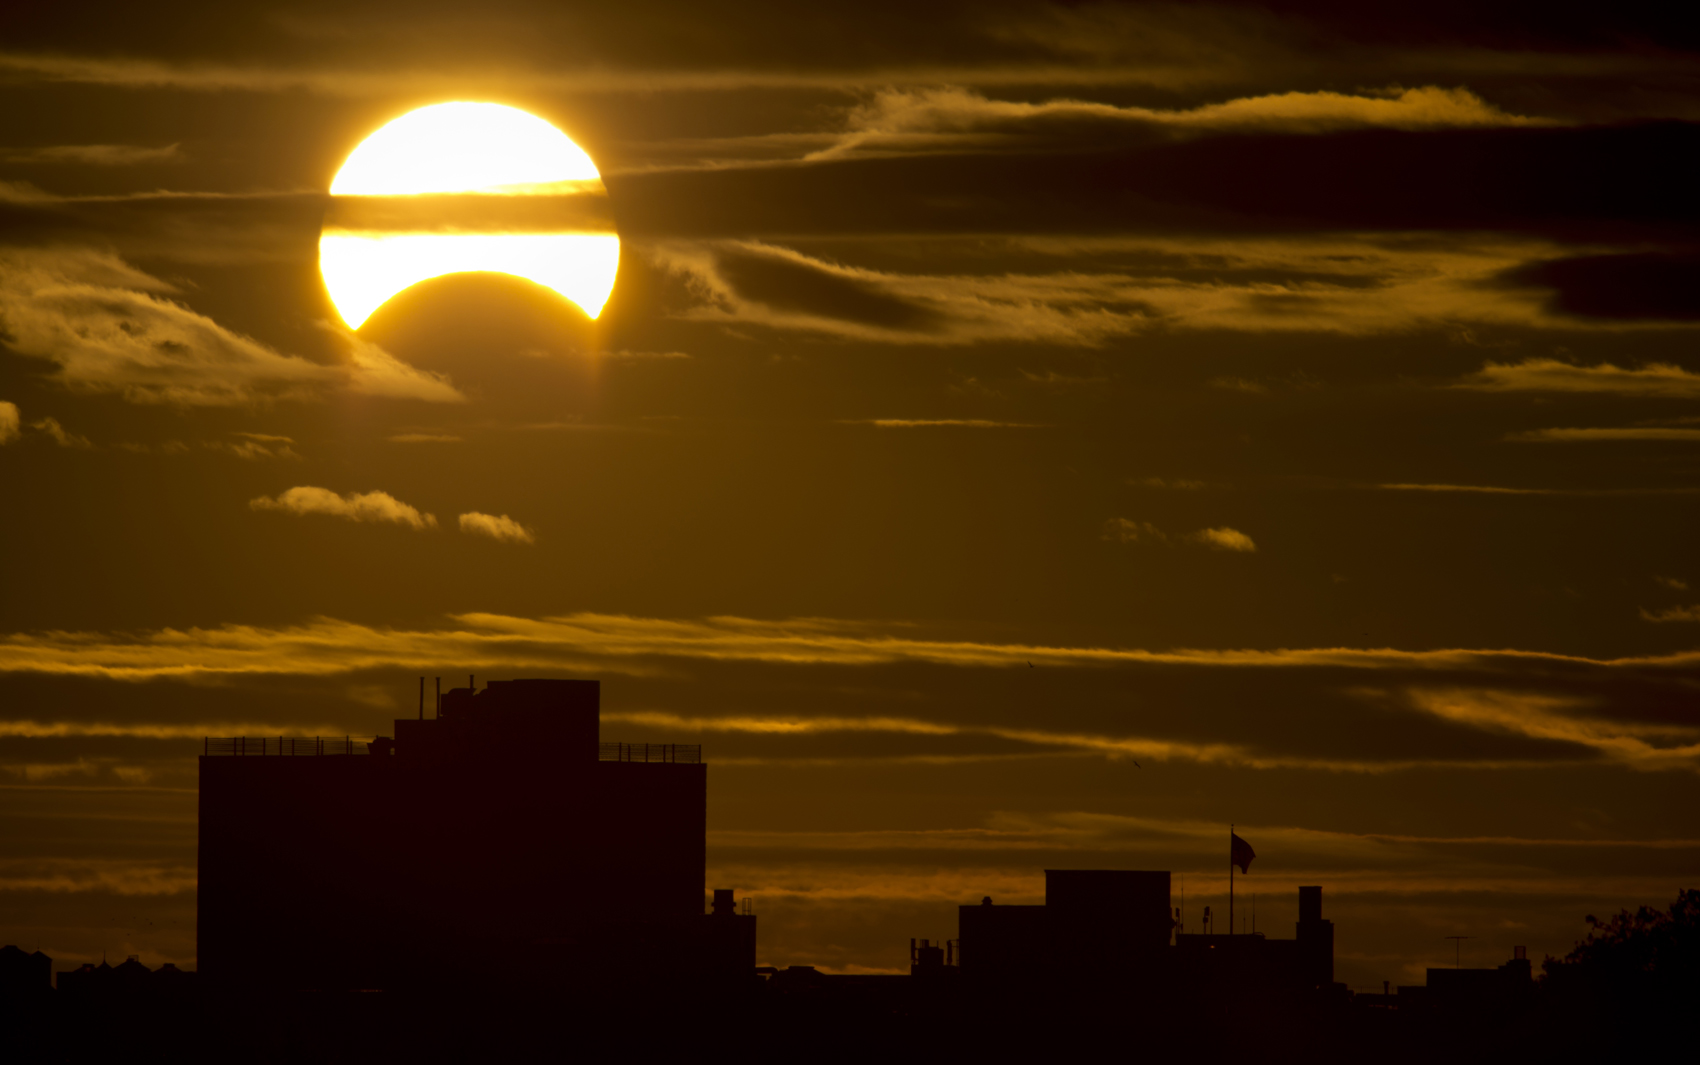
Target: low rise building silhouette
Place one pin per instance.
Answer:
(1458, 991)
(1103, 928)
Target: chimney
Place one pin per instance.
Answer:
(723, 904)
(1310, 903)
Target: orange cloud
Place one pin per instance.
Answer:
(497, 527)
(1551, 375)
(362, 506)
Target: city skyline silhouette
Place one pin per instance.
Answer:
(963, 444)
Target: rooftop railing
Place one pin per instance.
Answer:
(273, 746)
(296, 746)
(690, 753)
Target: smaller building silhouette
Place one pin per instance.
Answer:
(1102, 928)
(1460, 992)
(24, 974)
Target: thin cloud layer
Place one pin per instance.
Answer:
(496, 527)
(1674, 613)
(372, 371)
(97, 154)
(603, 641)
(355, 506)
(1348, 287)
(941, 423)
(10, 420)
(1587, 435)
(50, 428)
(1551, 375)
(1471, 708)
(109, 327)
(1566, 719)
(1127, 531)
(942, 118)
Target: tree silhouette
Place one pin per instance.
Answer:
(1640, 959)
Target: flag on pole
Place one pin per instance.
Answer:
(1241, 853)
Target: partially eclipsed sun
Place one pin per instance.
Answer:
(464, 187)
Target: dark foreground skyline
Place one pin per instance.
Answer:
(1020, 436)
(497, 874)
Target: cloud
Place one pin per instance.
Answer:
(1473, 489)
(258, 446)
(497, 527)
(1565, 719)
(59, 436)
(368, 506)
(123, 877)
(1672, 582)
(1123, 530)
(103, 324)
(423, 438)
(1225, 539)
(1675, 613)
(616, 642)
(12, 426)
(1561, 436)
(97, 154)
(109, 328)
(375, 372)
(1126, 531)
(946, 423)
(1488, 489)
(1104, 289)
(1572, 710)
(1551, 375)
(939, 117)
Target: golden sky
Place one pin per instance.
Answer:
(1020, 435)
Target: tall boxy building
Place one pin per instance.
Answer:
(499, 835)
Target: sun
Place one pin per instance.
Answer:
(462, 187)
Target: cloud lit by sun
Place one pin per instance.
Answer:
(425, 196)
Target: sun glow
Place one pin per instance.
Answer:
(463, 187)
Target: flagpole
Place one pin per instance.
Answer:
(1230, 879)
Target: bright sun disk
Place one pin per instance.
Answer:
(410, 204)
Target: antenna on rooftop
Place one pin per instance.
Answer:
(1457, 949)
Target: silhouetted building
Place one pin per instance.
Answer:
(1506, 989)
(730, 945)
(1104, 921)
(1315, 943)
(1003, 947)
(129, 980)
(24, 974)
(1255, 964)
(500, 833)
(1095, 925)
(87, 979)
(1113, 928)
